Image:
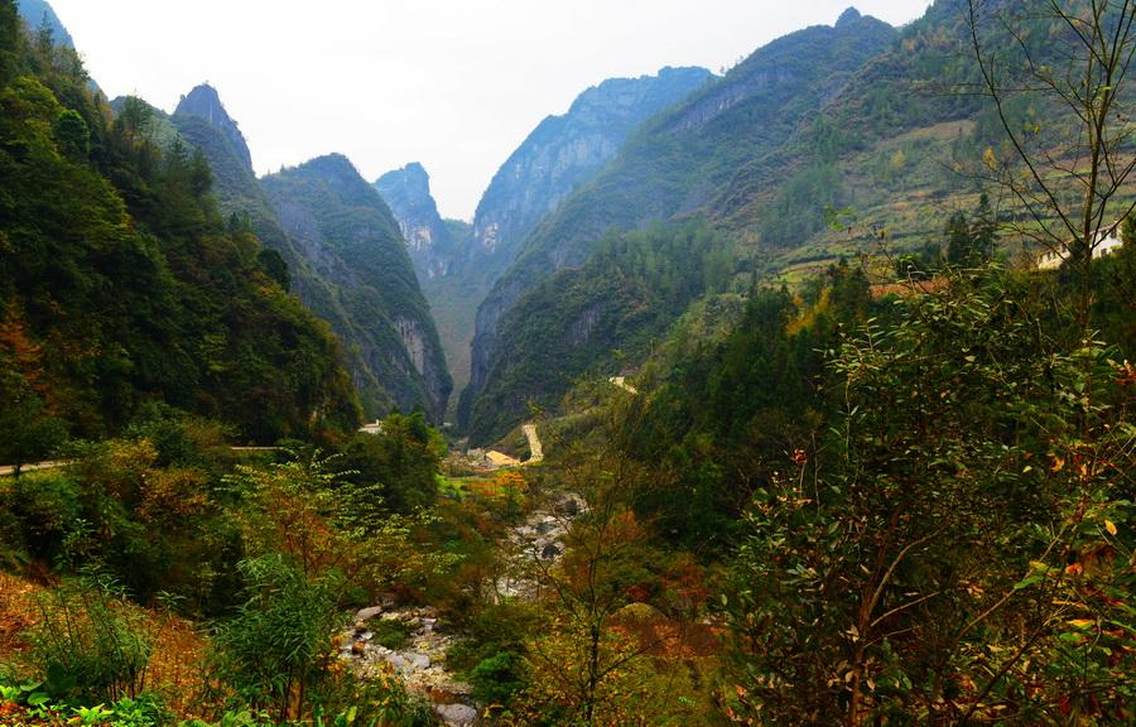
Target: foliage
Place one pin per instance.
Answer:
(120, 284)
(89, 644)
(27, 703)
(390, 633)
(400, 461)
(588, 319)
(941, 552)
(276, 649)
(723, 413)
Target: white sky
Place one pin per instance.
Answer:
(454, 84)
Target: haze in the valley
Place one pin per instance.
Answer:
(454, 85)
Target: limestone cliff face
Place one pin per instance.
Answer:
(435, 244)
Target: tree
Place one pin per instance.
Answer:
(1071, 57)
(30, 434)
(950, 549)
(9, 37)
(73, 135)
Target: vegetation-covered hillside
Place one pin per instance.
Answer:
(345, 231)
(201, 121)
(677, 163)
(121, 284)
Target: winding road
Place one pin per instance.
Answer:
(536, 448)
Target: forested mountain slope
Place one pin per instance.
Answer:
(676, 165)
(440, 250)
(375, 351)
(121, 286)
(456, 265)
(345, 231)
(566, 151)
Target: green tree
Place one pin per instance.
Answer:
(917, 561)
(31, 434)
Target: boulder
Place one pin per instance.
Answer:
(366, 614)
(456, 715)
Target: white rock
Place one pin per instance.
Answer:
(456, 715)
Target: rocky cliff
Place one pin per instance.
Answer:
(434, 244)
(391, 350)
(204, 103)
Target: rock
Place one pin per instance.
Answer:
(569, 506)
(366, 614)
(457, 715)
(550, 551)
(418, 661)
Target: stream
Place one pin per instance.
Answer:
(421, 662)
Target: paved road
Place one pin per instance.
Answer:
(535, 447)
(6, 470)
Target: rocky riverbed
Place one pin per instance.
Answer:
(421, 661)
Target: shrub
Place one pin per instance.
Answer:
(44, 511)
(391, 633)
(89, 644)
(278, 645)
(496, 679)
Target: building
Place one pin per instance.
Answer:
(375, 427)
(1107, 244)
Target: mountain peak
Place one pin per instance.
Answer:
(205, 103)
(412, 180)
(850, 15)
(332, 165)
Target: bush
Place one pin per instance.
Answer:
(278, 646)
(496, 679)
(44, 512)
(90, 645)
(29, 704)
(391, 633)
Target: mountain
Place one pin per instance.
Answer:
(382, 366)
(675, 166)
(38, 14)
(457, 266)
(122, 290)
(438, 248)
(566, 151)
(434, 243)
(204, 103)
(347, 234)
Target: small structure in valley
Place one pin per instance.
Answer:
(1107, 243)
(375, 427)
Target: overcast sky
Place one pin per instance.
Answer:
(454, 84)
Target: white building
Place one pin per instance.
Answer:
(374, 428)
(1107, 244)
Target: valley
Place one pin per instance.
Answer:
(799, 392)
